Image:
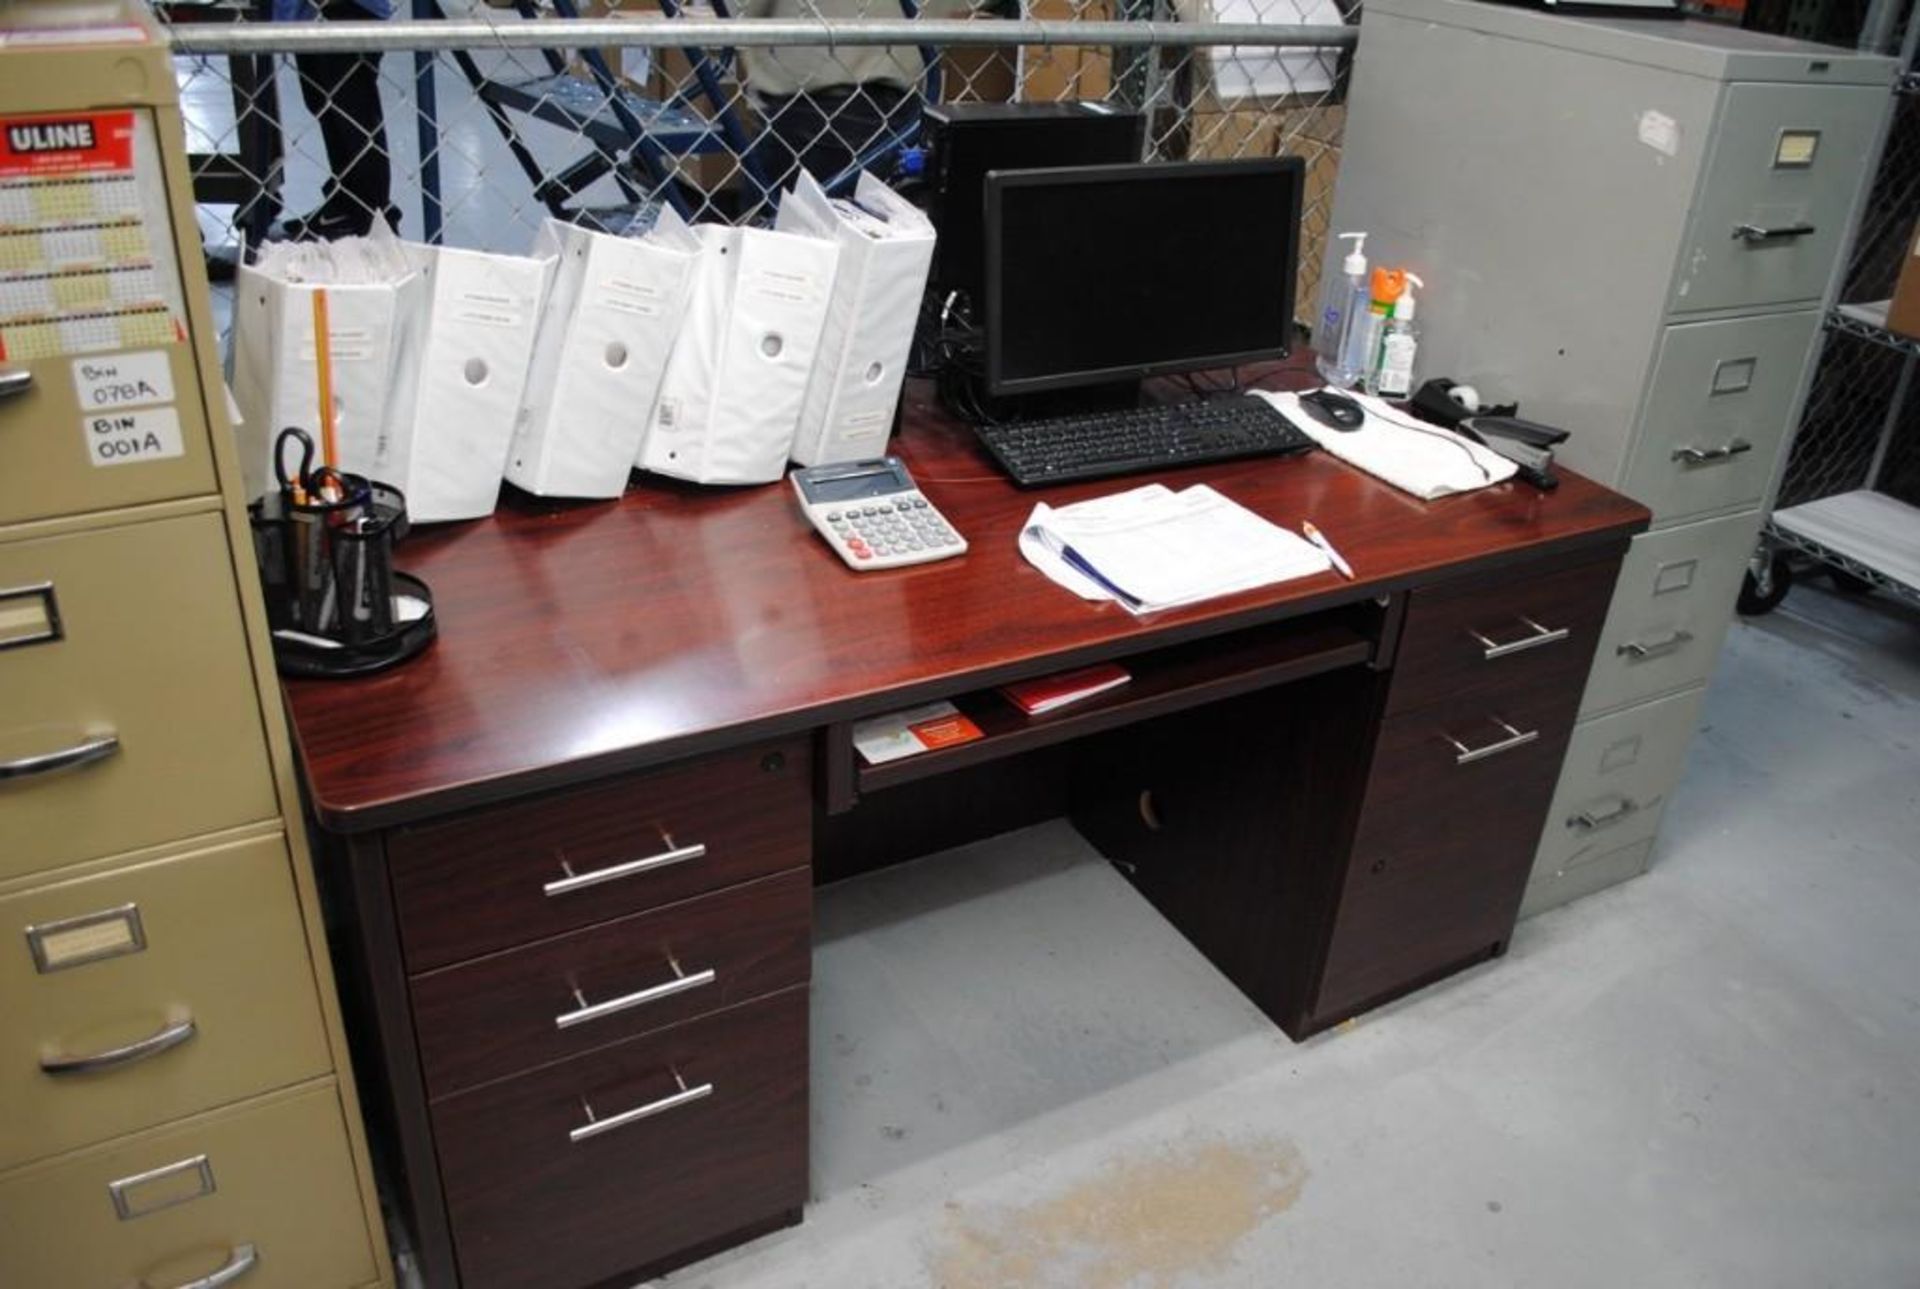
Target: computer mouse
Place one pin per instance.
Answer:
(1334, 410)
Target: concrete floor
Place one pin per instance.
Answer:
(1710, 1076)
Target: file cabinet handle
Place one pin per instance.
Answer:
(1763, 235)
(114, 1057)
(15, 381)
(593, 1127)
(88, 750)
(639, 998)
(1541, 636)
(242, 1260)
(1706, 456)
(1515, 738)
(1593, 820)
(632, 868)
(1642, 650)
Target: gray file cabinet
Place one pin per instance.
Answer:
(1630, 225)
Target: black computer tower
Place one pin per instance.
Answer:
(966, 140)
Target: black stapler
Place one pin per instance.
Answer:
(1528, 444)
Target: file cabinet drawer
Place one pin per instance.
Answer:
(1717, 413)
(130, 715)
(1670, 611)
(267, 1186)
(1550, 888)
(1449, 827)
(1619, 771)
(53, 460)
(1771, 214)
(534, 1005)
(149, 993)
(1491, 640)
(697, 1131)
(520, 872)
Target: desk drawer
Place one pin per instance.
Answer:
(533, 1204)
(1487, 642)
(1446, 837)
(1670, 611)
(198, 963)
(149, 650)
(1717, 413)
(508, 875)
(171, 1206)
(503, 1013)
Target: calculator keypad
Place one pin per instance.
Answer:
(896, 530)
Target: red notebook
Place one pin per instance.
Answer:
(1048, 693)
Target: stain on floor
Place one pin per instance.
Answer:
(1139, 1223)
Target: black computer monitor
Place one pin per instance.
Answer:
(967, 140)
(1109, 274)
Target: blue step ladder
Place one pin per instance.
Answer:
(637, 141)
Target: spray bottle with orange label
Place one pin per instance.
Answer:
(1386, 288)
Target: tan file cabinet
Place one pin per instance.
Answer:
(179, 1106)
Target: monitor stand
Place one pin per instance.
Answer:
(1082, 400)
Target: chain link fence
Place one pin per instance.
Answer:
(472, 123)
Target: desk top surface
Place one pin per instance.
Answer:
(580, 639)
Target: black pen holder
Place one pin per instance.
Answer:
(335, 604)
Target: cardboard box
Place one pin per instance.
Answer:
(1903, 311)
(1051, 73)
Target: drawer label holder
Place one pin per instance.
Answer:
(162, 1187)
(90, 937)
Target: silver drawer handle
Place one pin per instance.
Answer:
(243, 1259)
(1639, 650)
(88, 750)
(1515, 738)
(1541, 636)
(633, 867)
(639, 998)
(593, 1127)
(1591, 820)
(15, 381)
(1705, 456)
(115, 1057)
(1760, 234)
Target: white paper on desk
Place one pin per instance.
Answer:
(600, 355)
(1165, 548)
(730, 400)
(886, 249)
(1393, 446)
(1261, 71)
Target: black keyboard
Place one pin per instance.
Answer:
(1102, 444)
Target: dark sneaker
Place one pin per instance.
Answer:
(330, 221)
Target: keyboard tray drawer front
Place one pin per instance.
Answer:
(697, 1131)
(511, 874)
(1452, 817)
(1529, 631)
(531, 1006)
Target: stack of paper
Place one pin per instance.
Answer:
(1153, 548)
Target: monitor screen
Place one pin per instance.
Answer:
(1104, 274)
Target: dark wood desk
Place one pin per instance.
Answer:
(573, 845)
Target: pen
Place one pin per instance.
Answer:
(1319, 539)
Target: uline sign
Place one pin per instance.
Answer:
(91, 143)
(50, 136)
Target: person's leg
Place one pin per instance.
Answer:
(343, 93)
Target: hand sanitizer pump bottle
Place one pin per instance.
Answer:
(1343, 306)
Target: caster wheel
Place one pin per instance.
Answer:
(1763, 592)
